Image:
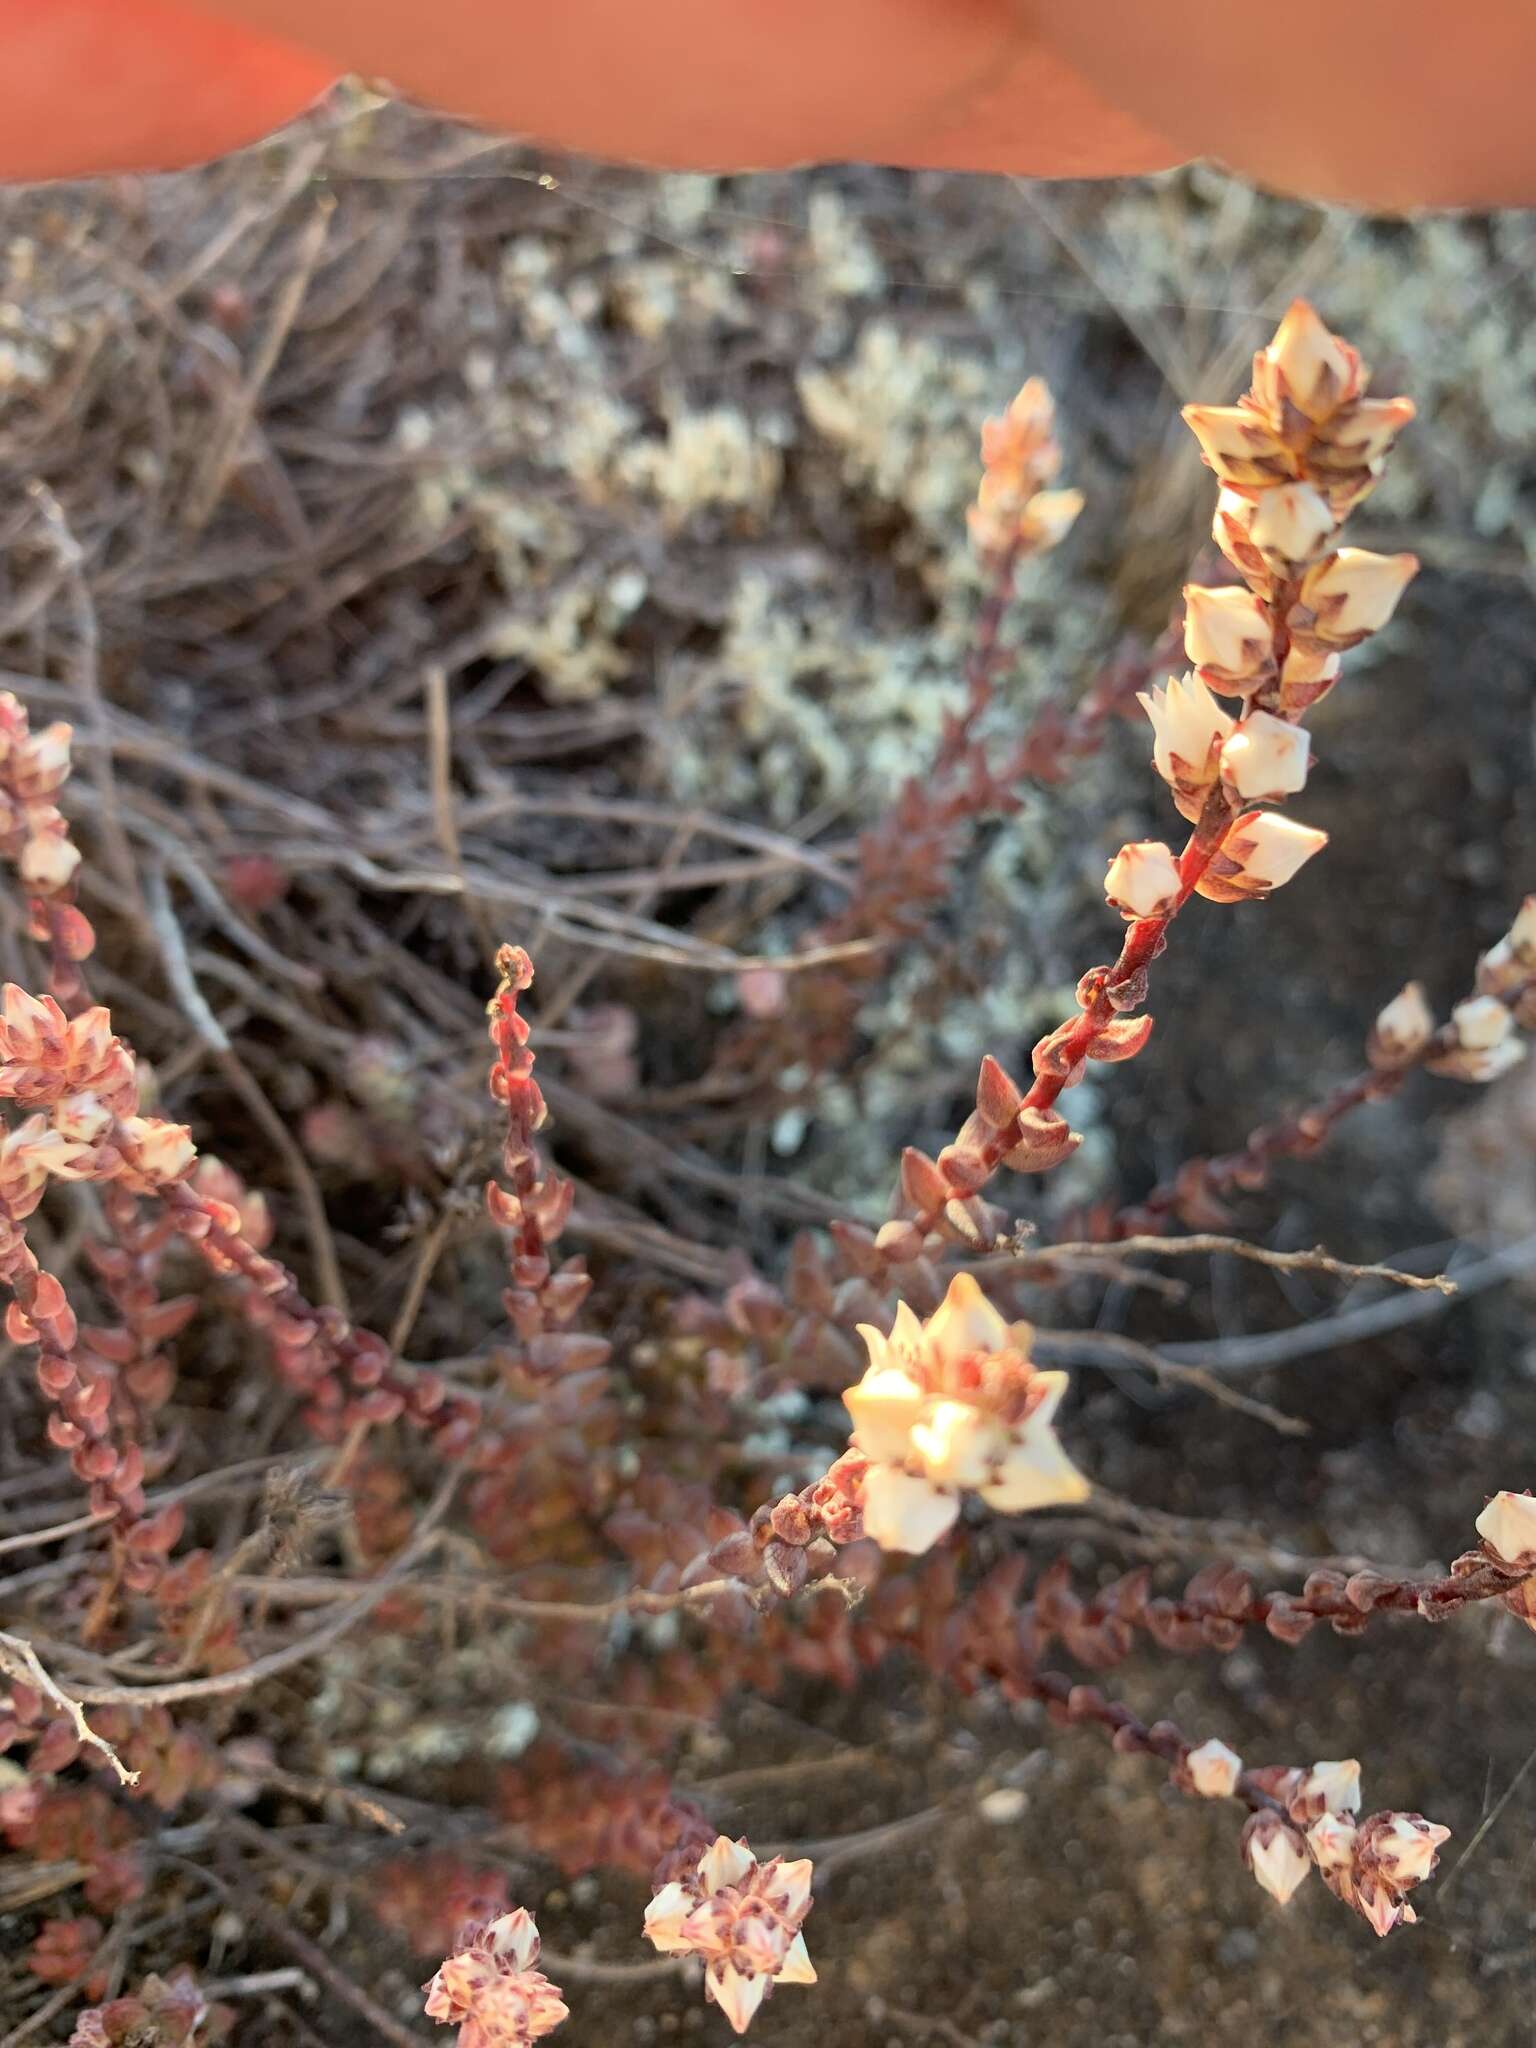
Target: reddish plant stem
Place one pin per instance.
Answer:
(1194, 1194)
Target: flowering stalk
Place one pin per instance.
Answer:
(35, 840)
(1480, 1041)
(1294, 457)
(533, 1205)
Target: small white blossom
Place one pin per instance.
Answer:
(1405, 1844)
(1508, 1526)
(1266, 757)
(1269, 849)
(1291, 521)
(1276, 1854)
(885, 1406)
(1318, 369)
(1237, 443)
(1481, 1023)
(1355, 592)
(1331, 1839)
(48, 861)
(742, 1918)
(1187, 725)
(1214, 1769)
(1143, 879)
(1225, 630)
(1406, 1025)
(1330, 1788)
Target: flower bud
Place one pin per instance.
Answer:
(1508, 1527)
(1237, 444)
(1314, 369)
(1403, 1028)
(1260, 852)
(1214, 1769)
(1226, 631)
(1328, 1788)
(1276, 1854)
(1143, 879)
(1291, 521)
(1266, 758)
(1187, 726)
(1404, 1845)
(1332, 1842)
(1355, 592)
(1481, 1023)
(48, 861)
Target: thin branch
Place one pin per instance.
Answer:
(1315, 1261)
(20, 1661)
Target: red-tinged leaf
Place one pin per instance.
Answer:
(1059, 1051)
(1121, 1039)
(922, 1183)
(964, 1171)
(1045, 1140)
(998, 1097)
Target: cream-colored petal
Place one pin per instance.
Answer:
(792, 1886)
(664, 1917)
(1037, 1473)
(738, 1997)
(724, 1863)
(904, 1512)
(884, 1407)
(796, 1967)
(965, 1321)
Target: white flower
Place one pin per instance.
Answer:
(48, 861)
(1332, 1841)
(1406, 1025)
(1049, 517)
(1291, 521)
(1481, 1023)
(1276, 1855)
(958, 1445)
(1405, 1848)
(160, 1152)
(1266, 757)
(1318, 369)
(1226, 630)
(1508, 1526)
(1356, 592)
(1187, 723)
(1237, 443)
(1269, 849)
(1214, 1769)
(796, 1967)
(1370, 428)
(1143, 879)
(884, 1406)
(903, 1511)
(515, 1934)
(742, 1918)
(1332, 1787)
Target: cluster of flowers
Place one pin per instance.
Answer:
(1312, 1823)
(741, 1918)
(1013, 512)
(162, 2013)
(489, 1988)
(950, 1404)
(1294, 457)
(34, 835)
(1482, 1038)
